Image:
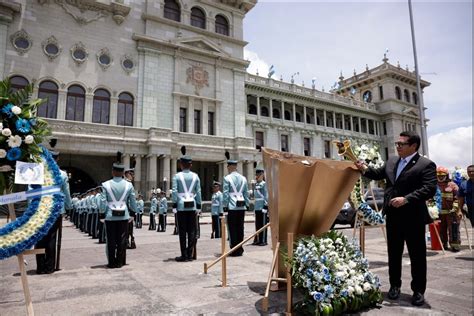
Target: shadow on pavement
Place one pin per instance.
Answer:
(465, 258)
(99, 266)
(404, 300)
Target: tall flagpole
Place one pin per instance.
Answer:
(424, 139)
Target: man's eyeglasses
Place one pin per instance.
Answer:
(401, 144)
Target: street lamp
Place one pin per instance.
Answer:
(424, 139)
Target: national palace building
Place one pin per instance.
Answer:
(143, 78)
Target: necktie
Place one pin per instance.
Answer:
(401, 165)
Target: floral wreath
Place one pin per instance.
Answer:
(42, 212)
(372, 157)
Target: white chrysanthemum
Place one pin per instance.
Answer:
(14, 141)
(6, 132)
(3, 153)
(29, 139)
(367, 286)
(358, 290)
(16, 110)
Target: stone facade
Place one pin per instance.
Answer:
(188, 85)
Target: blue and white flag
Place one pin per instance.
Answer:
(271, 71)
(353, 90)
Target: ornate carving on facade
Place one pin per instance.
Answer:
(51, 48)
(21, 41)
(104, 58)
(260, 125)
(198, 77)
(87, 11)
(79, 53)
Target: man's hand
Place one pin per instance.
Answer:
(175, 211)
(398, 202)
(360, 165)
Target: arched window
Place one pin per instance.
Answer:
(367, 96)
(276, 113)
(222, 26)
(252, 109)
(172, 10)
(198, 18)
(398, 93)
(415, 98)
(406, 95)
(76, 99)
(264, 111)
(125, 109)
(48, 90)
(298, 117)
(101, 107)
(287, 115)
(18, 83)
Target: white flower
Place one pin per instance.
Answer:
(3, 153)
(358, 290)
(367, 286)
(29, 139)
(352, 264)
(1, 125)
(6, 132)
(16, 110)
(14, 141)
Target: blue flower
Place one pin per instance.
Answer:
(323, 258)
(318, 296)
(309, 272)
(328, 289)
(327, 277)
(7, 109)
(33, 122)
(344, 293)
(23, 125)
(14, 154)
(325, 270)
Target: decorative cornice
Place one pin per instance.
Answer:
(87, 11)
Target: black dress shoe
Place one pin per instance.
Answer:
(417, 299)
(180, 259)
(394, 293)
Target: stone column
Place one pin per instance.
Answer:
(204, 125)
(3, 46)
(334, 119)
(138, 173)
(174, 167)
(113, 111)
(325, 118)
(126, 160)
(315, 113)
(88, 107)
(304, 115)
(240, 167)
(222, 172)
(270, 101)
(352, 123)
(166, 173)
(294, 112)
(282, 114)
(250, 171)
(62, 98)
(190, 117)
(151, 179)
(258, 108)
(367, 126)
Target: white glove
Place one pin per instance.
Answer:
(198, 212)
(264, 211)
(175, 211)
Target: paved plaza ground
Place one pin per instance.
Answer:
(152, 283)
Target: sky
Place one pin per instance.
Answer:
(319, 39)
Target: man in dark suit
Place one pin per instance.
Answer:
(410, 181)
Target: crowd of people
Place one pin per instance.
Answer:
(108, 212)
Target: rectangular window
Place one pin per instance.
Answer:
(210, 123)
(320, 117)
(371, 127)
(197, 121)
(338, 120)
(307, 146)
(347, 122)
(259, 140)
(182, 120)
(327, 149)
(384, 126)
(363, 123)
(284, 142)
(355, 122)
(329, 119)
(386, 153)
(381, 92)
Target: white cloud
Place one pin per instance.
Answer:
(452, 148)
(256, 63)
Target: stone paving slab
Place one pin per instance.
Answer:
(152, 283)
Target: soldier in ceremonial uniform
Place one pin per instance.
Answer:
(140, 207)
(236, 202)
(47, 263)
(153, 208)
(449, 213)
(118, 196)
(163, 209)
(186, 197)
(217, 209)
(261, 201)
(129, 175)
